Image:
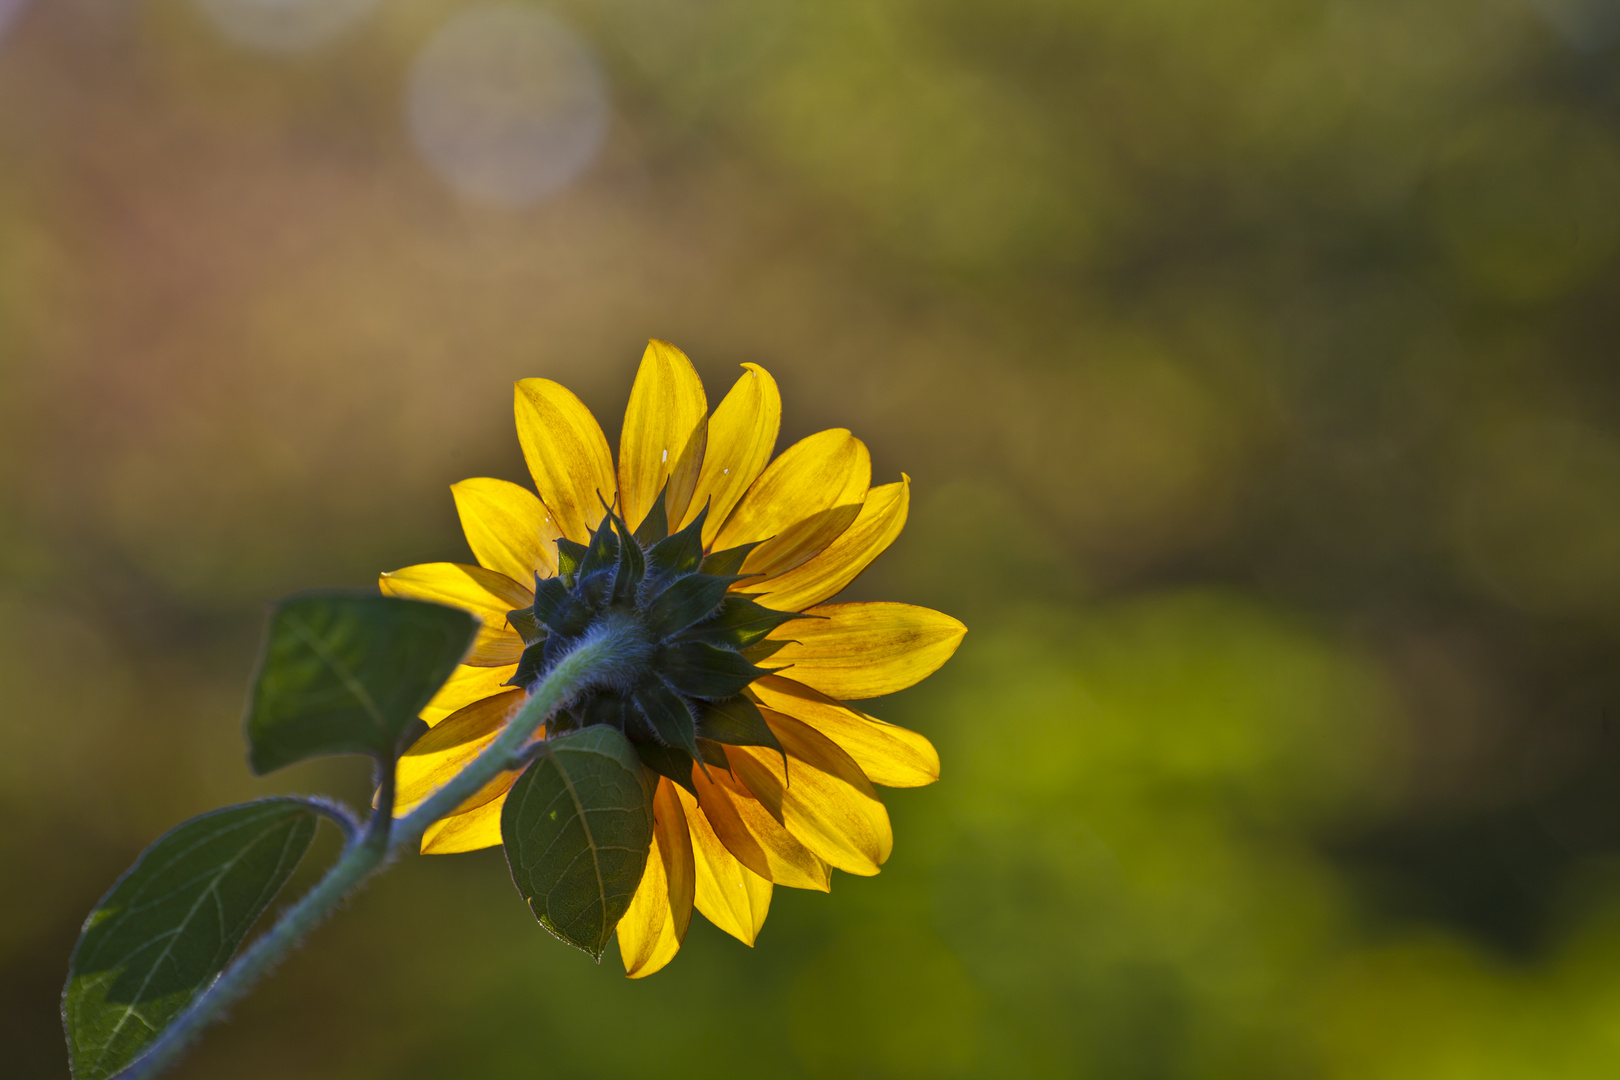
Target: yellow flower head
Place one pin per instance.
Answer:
(724, 560)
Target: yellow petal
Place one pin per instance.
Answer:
(801, 503)
(653, 928)
(440, 754)
(665, 428)
(466, 685)
(880, 520)
(865, 650)
(888, 755)
(729, 894)
(742, 434)
(759, 841)
(485, 593)
(567, 455)
(508, 528)
(472, 831)
(825, 799)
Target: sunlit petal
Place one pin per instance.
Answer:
(472, 831)
(881, 518)
(742, 434)
(665, 428)
(888, 755)
(439, 755)
(801, 503)
(857, 651)
(466, 685)
(508, 528)
(567, 455)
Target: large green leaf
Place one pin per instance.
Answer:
(171, 923)
(346, 673)
(577, 826)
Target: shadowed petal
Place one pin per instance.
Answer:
(888, 755)
(651, 932)
(729, 894)
(825, 799)
(758, 840)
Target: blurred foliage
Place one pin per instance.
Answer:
(1253, 363)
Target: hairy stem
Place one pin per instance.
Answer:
(596, 656)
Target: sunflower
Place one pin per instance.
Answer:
(726, 557)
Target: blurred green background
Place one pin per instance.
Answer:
(1254, 362)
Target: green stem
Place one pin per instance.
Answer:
(593, 658)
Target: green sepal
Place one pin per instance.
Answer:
(556, 607)
(603, 708)
(678, 554)
(528, 627)
(735, 721)
(740, 622)
(577, 827)
(347, 673)
(655, 526)
(603, 549)
(671, 718)
(168, 927)
(761, 651)
(713, 754)
(688, 600)
(668, 761)
(570, 553)
(530, 665)
(730, 560)
(632, 565)
(705, 671)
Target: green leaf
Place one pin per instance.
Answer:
(577, 826)
(345, 673)
(170, 924)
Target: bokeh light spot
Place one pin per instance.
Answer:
(284, 26)
(506, 104)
